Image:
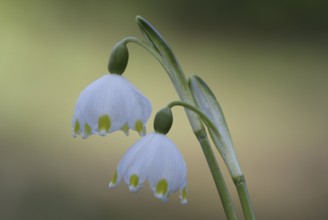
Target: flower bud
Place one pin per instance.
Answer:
(118, 59)
(163, 121)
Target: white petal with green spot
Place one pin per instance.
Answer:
(154, 158)
(109, 104)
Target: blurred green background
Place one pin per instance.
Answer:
(266, 61)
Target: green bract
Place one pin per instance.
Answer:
(207, 103)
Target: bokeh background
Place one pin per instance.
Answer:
(266, 61)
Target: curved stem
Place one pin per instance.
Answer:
(143, 44)
(203, 117)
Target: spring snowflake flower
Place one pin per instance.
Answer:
(154, 158)
(108, 104)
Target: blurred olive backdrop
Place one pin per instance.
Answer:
(266, 61)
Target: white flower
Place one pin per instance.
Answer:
(154, 158)
(108, 104)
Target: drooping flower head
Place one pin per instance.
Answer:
(108, 104)
(154, 158)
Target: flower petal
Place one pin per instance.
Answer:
(130, 163)
(183, 196)
(161, 191)
(170, 165)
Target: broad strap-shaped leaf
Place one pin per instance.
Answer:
(208, 104)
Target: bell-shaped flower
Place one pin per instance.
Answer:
(154, 158)
(108, 104)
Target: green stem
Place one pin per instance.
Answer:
(244, 198)
(217, 176)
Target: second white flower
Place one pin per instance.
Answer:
(154, 158)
